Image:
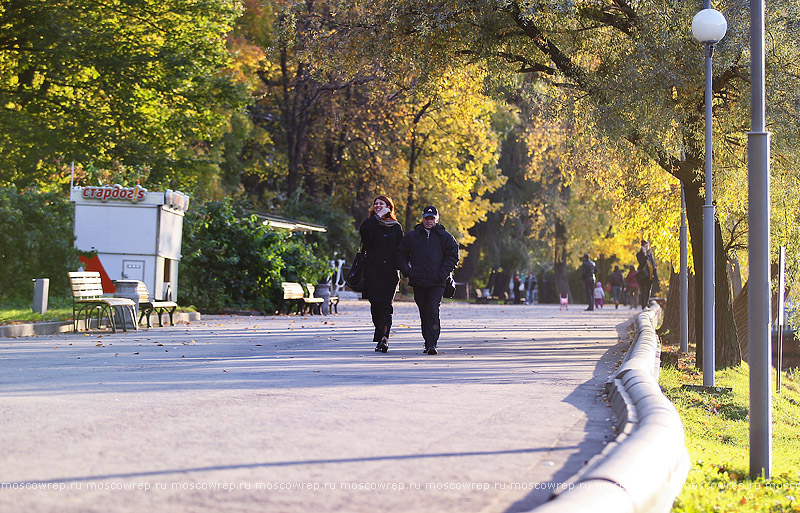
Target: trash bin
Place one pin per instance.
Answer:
(323, 290)
(128, 289)
(41, 290)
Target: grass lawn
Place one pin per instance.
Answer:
(21, 312)
(58, 309)
(718, 440)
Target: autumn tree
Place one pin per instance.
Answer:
(346, 137)
(633, 66)
(140, 83)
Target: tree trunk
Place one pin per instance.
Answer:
(671, 325)
(727, 342)
(560, 251)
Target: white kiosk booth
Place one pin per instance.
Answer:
(136, 235)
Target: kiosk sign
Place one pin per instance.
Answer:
(115, 192)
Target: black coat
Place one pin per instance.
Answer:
(432, 258)
(588, 271)
(646, 273)
(380, 244)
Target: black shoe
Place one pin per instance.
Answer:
(431, 350)
(424, 350)
(383, 345)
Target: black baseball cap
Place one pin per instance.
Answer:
(430, 211)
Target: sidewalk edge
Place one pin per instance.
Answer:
(646, 466)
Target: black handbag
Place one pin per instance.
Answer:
(449, 287)
(356, 277)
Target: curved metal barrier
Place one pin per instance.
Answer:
(644, 469)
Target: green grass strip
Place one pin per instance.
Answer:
(718, 440)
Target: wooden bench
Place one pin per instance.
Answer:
(88, 299)
(484, 296)
(334, 304)
(293, 294)
(148, 306)
(315, 303)
(295, 297)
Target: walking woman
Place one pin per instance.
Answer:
(380, 235)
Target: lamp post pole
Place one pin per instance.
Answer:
(708, 27)
(758, 300)
(709, 357)
(684, 278)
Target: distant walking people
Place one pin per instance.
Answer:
(530, 286)
(380, 236)
(588, 270)
(646, 274)
(617, 282)
(632, 287)
(599, 295)
(427, 255)
(517, 286)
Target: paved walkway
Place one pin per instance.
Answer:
(297, 414)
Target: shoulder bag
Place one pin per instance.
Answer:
(356, 277)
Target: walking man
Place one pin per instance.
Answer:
(617, 282)
(588, 270)
(646, 274)
(530, 286)
(427, 255)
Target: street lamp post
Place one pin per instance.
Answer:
(684, 278)
(708, 27)
(758, 315)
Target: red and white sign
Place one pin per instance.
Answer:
(115, 192)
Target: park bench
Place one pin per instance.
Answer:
(148, 306)
(315, 303)
(295, 297)
(334, 304)
(88, 299)
(484, 296)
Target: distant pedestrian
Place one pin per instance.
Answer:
(646, 274)
(530, 286)
(632, 286)
(380, 235)
(517, 286)
(427, 255)
(617, 282)
(599, 295)
(588, 271)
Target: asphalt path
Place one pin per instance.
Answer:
(298, 413)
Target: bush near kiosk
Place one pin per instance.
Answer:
(36, 241)
(232, 261)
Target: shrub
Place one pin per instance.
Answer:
(36, 241)
(231, 260)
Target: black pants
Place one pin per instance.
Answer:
(381, 318)
(644, 293)
(588, 290)
(428, 300)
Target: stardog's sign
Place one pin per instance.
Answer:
(115, 192)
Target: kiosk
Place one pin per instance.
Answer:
(135, 235)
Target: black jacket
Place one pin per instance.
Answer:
(646, 273)
(380, 244)
(588, 270)
(616, 279)
(432, 258)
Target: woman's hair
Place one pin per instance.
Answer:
(389, 203)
